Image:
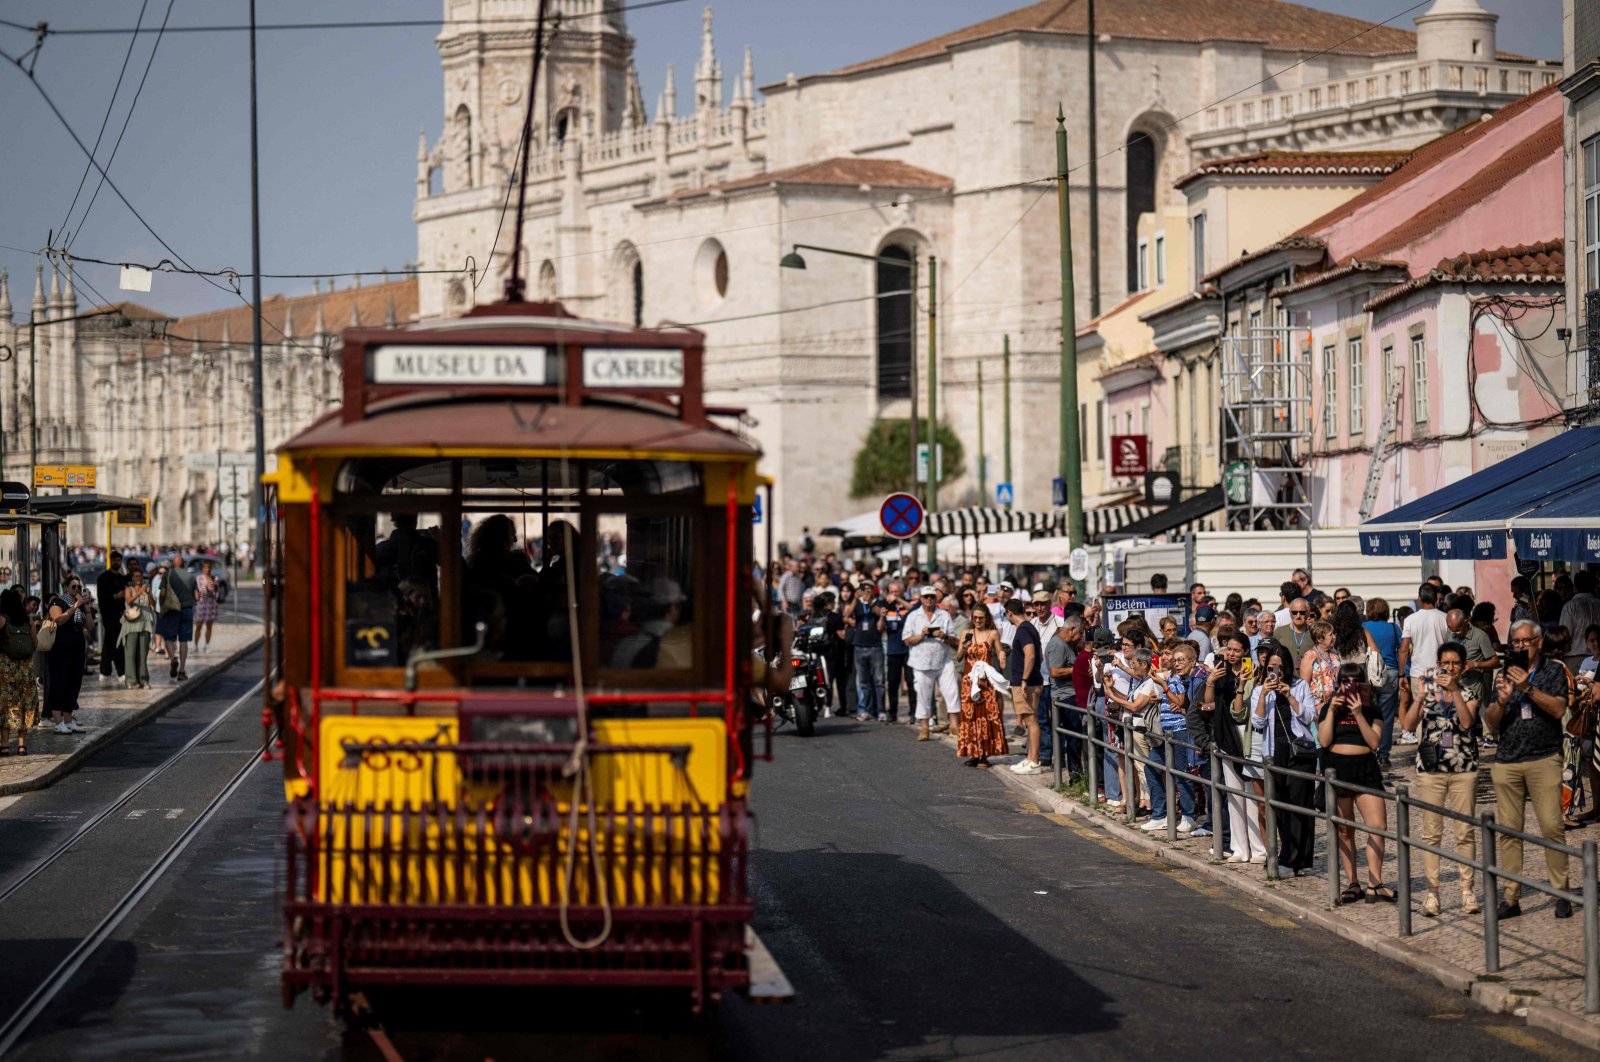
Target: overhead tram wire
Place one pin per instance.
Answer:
(105, 120)
(76, 139)
(354, 24)
(127, 119)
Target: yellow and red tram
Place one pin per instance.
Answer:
(509, 639)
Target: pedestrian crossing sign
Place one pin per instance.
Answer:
(1004, 495)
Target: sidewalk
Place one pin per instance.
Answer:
(108, 710)
(1541, 959)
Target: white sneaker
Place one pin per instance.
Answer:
(60, 728)
(1186, 825)
(1259, 860)
(1406, 738)
(1237, 857)
(75, 728)
(1155, 825)
(1026, 767)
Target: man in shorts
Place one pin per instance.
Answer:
(183, 585)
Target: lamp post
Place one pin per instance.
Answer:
(793, 260)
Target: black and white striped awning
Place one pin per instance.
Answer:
(1098, 523)
(989, 521)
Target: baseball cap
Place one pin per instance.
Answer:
(928, 591)
(1103, 639)
(1038, 588)
(1040, 597)
(1205, 612)
(1005, 585)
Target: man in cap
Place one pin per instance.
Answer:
(927, 634)
(1047, 623)
(1200, 631)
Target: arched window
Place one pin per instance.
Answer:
(627, 285)
(462, 149)
(547, 281)
(1141, 159)
(566, 122)
(895, 357)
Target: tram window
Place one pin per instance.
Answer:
(647, 584)
(391, 602)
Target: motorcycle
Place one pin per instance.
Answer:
(808, 696)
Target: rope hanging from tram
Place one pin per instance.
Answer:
(579, 767)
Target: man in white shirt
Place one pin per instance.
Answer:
(1006, 628)
(927, 635)
(1425, 630)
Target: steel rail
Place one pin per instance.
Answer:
(58, 978)
(127, 795)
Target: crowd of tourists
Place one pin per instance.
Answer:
(45, 644)
(1314, 685)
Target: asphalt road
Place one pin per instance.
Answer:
(920, 912)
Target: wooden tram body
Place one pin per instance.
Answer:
(458, 811)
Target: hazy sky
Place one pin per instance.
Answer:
(340, 111)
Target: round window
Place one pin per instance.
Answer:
(711, 273)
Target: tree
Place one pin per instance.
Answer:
(883, 464)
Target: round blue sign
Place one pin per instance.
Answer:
(901, 516)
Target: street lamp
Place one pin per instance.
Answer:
(793, 260)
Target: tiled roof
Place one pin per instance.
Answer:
(296, 315)
(134, 312)
(1202, 294)
(1296, 242)
(880, 173)
(1301, 163)
(1537, 146)
(1426, 157)
(1354, 265)
(1527, 263)
(1273, 23)
(1093, 325)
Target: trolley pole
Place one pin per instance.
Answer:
(257, 377)
(1070, 460)
(1094, 175)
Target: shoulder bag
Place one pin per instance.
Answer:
(47, 636)
(169, 597)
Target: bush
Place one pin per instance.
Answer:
(883, 464)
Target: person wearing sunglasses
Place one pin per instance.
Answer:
(1296, 636)
(1531, 696)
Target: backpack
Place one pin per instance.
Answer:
(18, 641)
(169, 596)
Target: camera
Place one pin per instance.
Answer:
(1517, 658)
(1274, 673)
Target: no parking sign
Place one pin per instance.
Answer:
(901, 515)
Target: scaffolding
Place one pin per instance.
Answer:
(1267, 428)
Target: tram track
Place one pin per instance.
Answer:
(127, 796)
(52, 985)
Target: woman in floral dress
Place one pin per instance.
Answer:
(16, 674)
(205, 606)
(981, 732)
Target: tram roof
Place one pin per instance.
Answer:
(524, 355)
(471, 422)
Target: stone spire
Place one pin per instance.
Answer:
(288, 319)
(633, 116)
(55, 290)
(355, 313)
(668, 109)
(5, 297)
(423, 169)
(748, 80)
(319, 326)
(69, 294)
(707, 72)
(39, 305)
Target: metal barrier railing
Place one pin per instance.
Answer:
(1586, 896)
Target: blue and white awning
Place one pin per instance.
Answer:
(1468, 519)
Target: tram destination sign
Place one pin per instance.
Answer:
(463, 365)
(632, 367)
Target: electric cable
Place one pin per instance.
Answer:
(105, 120)
(126, 120)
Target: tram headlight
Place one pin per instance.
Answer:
(526, 729)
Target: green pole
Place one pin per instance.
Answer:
(932, 501)
(911, 326)
(983, 466)
(1070, 463)
(1005, 363)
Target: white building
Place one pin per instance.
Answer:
(936, 150)
(943, 149)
